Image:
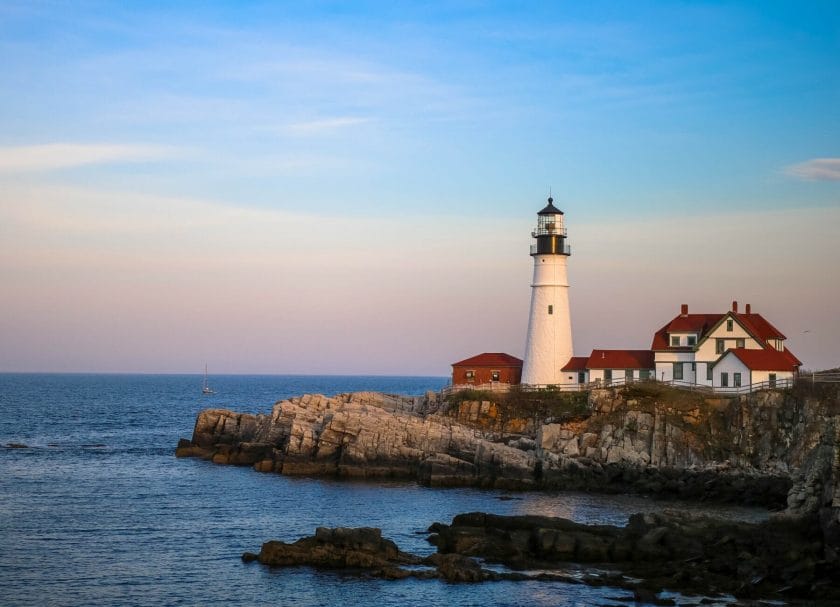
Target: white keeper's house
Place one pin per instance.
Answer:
(722, 350)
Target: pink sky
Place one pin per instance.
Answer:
(104, 282)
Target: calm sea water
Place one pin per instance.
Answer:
(96, 510)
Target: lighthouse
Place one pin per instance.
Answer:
(549, 343)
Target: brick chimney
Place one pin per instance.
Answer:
(735, 306)
(747, 310)
(684, 310)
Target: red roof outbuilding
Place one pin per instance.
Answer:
(489, 367)
(490, 359)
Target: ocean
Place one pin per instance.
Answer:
(96, 510)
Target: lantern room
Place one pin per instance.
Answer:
(550, 232)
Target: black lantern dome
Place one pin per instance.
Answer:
(550, 232)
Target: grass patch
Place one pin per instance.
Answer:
(456, 398)
(537, 404)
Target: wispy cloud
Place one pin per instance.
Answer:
(324, 125)
(816, 169)
(51, 156)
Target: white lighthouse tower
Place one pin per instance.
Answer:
(549, 343)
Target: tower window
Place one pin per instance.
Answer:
(550, 309)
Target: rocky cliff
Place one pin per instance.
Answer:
(778, 448)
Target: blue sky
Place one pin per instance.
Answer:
(172, 168)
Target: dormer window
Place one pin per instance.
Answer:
(675, 341)
(692, 340)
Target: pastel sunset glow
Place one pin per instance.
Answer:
(350, 189)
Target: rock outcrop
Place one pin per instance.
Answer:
(777, 559)
(781, 558)
(366, 551)
(644, 438)
(360, 435)
(339, 548)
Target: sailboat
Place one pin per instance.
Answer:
(206, 389)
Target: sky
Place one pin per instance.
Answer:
(349, 188)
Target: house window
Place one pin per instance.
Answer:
(550, 309)
(470, 375)
(719, 346)
(708, 372)
(730, 324)
(740, 343)
(678, 370)
(607, 375)
(772, 380)
(736, 380)
(693, 367)
(724, 380)
(644, 373)
(628, 375)
(494, 375)
(692, 340)
(581, 377)
(675, 340)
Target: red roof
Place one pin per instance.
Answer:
(490, 359)
(759, 326)
(794, 361)
(755, 324)
(688, 323)
(576, 363)
(764, 360)
(620, 359)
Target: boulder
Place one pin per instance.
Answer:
(339, 548)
